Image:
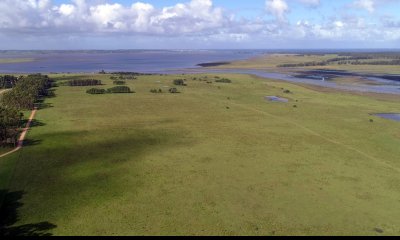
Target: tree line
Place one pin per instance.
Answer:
(355, 59)
(10, 122)
(23, 96)
(27, 91)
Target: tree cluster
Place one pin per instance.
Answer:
(117, 89)
(7, 81)
(180, 82)
(10, 121)
(25, 93)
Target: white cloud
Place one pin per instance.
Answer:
(312, 3)
(195, 19)
(182, 18)
(368, 5)
(278, 8)
(66, 9)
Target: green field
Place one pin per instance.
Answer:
(216, 159)
(15, 60)
(272, 61)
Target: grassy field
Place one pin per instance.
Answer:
(15, 60)
(271, 61)
(216, 159)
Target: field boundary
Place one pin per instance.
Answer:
(23, 134)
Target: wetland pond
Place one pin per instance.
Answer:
(391, 116)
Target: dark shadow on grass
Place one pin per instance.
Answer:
(66, 77)
(102, 158)
(34, 123)
(51, 93)
(9, 216)
(31, 142)
(41, 104)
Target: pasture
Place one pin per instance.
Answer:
(271, 62)
(214, 159)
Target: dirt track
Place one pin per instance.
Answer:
(23, 134)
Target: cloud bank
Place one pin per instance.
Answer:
(196, 19)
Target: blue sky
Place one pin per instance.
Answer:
(269, 24)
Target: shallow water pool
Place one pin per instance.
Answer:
(391, 116)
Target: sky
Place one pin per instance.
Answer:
(199, 24)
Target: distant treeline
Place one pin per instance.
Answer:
(384, 55)
(7, 81)
(213, 64)
(131, 73)
(390, 62)
(351, 60)
(83, 82)
(123, 77)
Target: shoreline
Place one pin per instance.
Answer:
(385, 83)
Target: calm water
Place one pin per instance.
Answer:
(164, 61)
(145, 61)
(391, 116)
(392, 87)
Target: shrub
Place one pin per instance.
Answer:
(173, 90)
(287, 91)
(180, 82)
(119, 82)
(96, 91)
(156, 91)
(223, 80)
